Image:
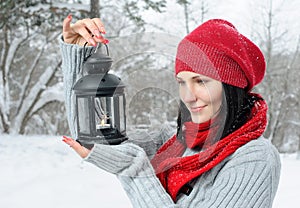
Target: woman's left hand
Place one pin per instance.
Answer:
(126, 159)
(81, 150)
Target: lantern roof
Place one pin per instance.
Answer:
(99, 84)
(98, 63)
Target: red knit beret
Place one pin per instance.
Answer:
(217, 50)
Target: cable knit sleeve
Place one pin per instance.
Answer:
(248, 178)
(151, 141)
(133, 168)
(72, 59)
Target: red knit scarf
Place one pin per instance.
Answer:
(175, 171)
(200, 134)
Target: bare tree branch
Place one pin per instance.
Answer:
(34, 96)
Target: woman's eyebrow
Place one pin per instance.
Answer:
(196, 77)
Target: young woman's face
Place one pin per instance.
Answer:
(201, 95)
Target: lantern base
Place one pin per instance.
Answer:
(89, 142)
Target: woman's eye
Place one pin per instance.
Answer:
(201, 81)
(180, 82)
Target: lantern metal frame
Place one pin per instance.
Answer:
(99, 85)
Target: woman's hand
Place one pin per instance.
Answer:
(126, 159)
(81, 150)
(85, 30)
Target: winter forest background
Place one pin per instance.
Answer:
(39, 171)
(31, 88)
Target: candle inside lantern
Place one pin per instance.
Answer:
(102, 125)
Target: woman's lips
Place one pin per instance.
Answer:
(197, 108)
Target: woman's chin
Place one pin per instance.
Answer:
(198, 120)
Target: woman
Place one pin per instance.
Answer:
(218, 157)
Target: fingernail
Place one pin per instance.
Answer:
(102, 30)
(105, 41)
(92, 41)
(70, 16)
(66, 138)
(97, 33)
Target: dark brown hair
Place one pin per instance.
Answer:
(236, 108)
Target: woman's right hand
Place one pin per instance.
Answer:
(85, 30)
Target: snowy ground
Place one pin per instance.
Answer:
(42, 171)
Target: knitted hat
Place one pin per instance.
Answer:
(217, 50)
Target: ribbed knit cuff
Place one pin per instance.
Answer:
(125, 159)
(73, 56)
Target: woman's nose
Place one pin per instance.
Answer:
(189, 95)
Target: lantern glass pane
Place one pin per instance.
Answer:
(83, 115)
(104, 118)
(122, 113)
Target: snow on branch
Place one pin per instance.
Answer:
(51, 94)
(27, 79)
(30, 100)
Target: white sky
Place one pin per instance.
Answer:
(241, 13)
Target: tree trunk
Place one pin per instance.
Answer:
(186, 16)
(95, 8)
(298, 151)
(4, 87)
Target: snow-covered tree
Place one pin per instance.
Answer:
(30, 81)
(30, 61)
(279, 86)
(195, 12)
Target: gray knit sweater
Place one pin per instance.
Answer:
(247, 178)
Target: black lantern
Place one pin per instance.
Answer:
(100, 103)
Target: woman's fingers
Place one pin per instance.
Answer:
(81, 28)
(100, 25)
(85, 30)
(101, 29)
(68, 34)
(67, 24)
(92, 27)
(89, 31)
(81, 150)
(69, 141)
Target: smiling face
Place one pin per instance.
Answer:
(201, 95)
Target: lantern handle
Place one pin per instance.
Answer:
(98, 45)
(85, 58)
(107, 52)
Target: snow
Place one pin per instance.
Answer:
(288, 192)
(41, 171)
